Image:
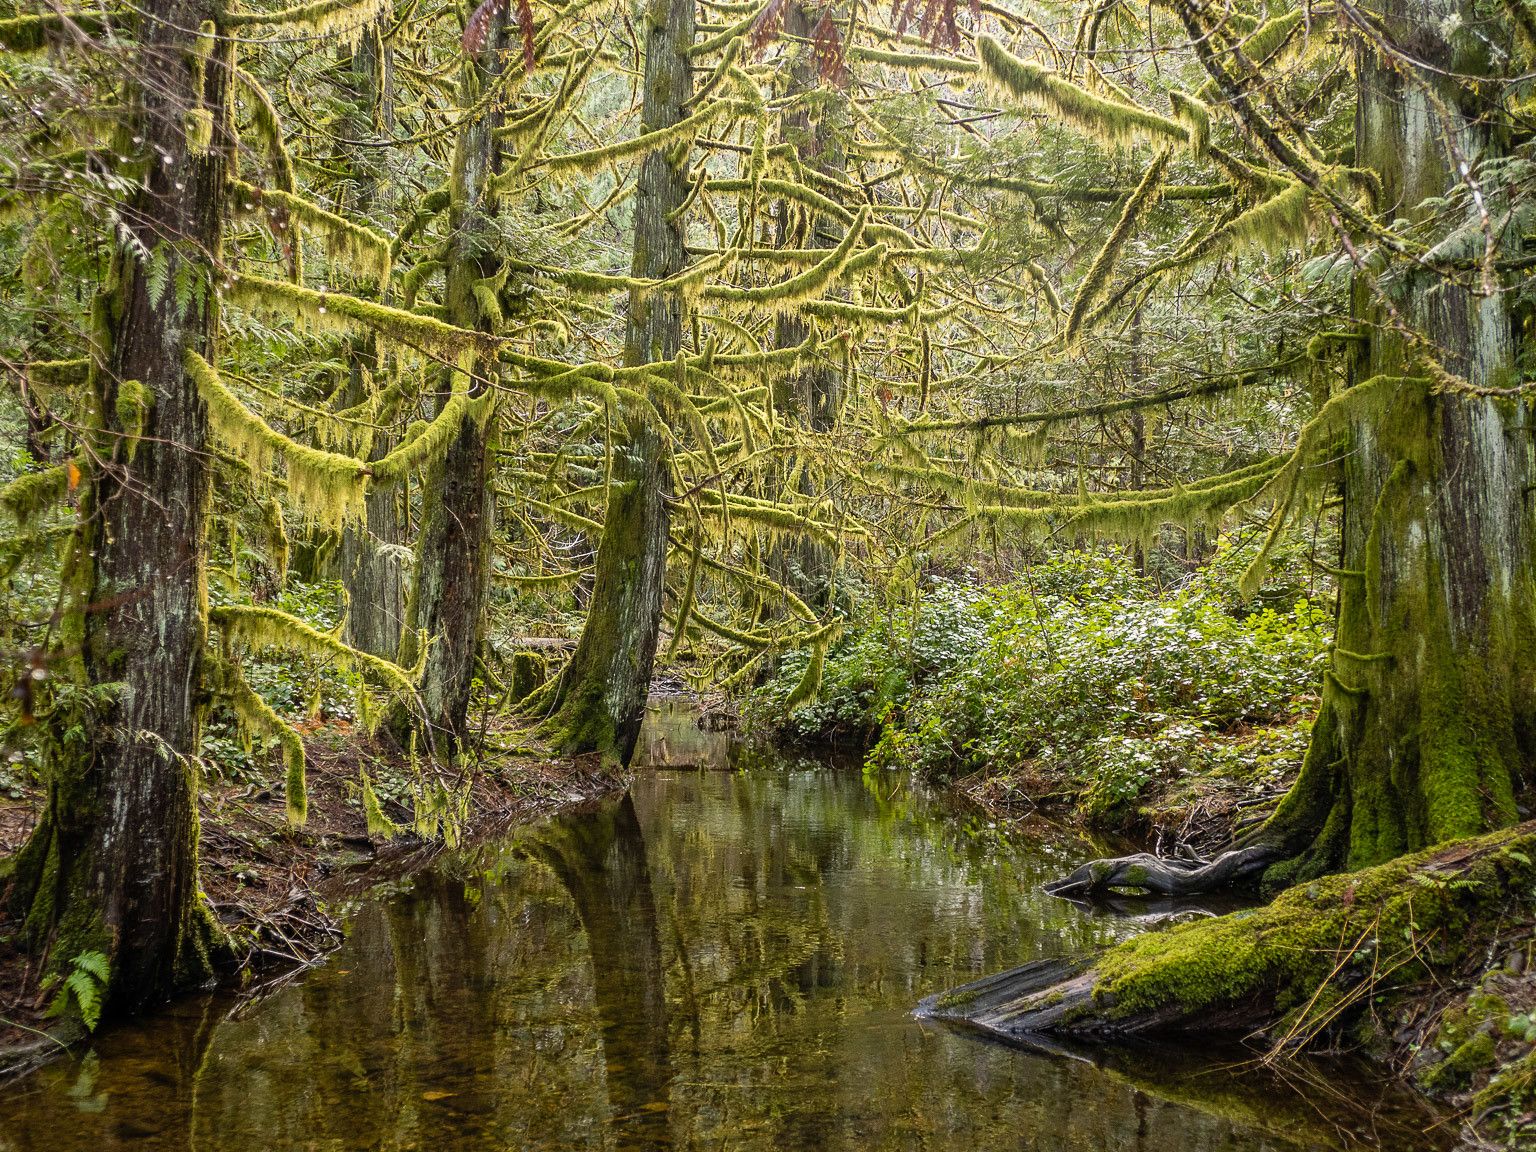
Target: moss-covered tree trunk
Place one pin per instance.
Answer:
(603, 690)
(1429, 712)
(811, 393)
(371, 570)
(112, 864)
(458, 514)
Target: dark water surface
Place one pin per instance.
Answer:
(721, 960)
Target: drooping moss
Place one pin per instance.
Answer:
(33, 32)
(261, 627)
(342, 21)
(354, 248)
(328, 487)
(134, 401)
(33, 492)
(1112, 122)
(1103, 266)
(254, 713)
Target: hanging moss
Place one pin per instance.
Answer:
(340, 21)
(1195, 116)
(594, 158)
(809, 684)
(429, 443)
(379, 825)
(329, 488)
(262, 627)
(1103, 266)
(255, 713)
(35, 492)
(58, 373)
(352, 247)
(1109, 121)
(34, 32)
(277, 537)
(269, 126)
(339, 312)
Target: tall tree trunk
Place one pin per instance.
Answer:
(604, 688)
(809, 394)
(371, 571)
(458, 514)
(112, 865)
(1429, 711)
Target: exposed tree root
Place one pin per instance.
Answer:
(1166, 875)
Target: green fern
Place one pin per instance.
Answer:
(85, 987)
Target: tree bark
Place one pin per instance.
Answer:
(112, 865)
(603, 690)
(1429, 710)
(809, 394)
(372, 574)
(458, 513)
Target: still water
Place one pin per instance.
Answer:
(720, 960)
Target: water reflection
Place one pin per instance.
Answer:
(720, 960)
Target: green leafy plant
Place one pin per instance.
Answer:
(84, 989)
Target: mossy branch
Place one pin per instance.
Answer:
(328, 487)
(339, 312)
(1103, 266)
(1110, 122)
(261, 627)
(352, 247)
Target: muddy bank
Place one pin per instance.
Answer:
(278, 890)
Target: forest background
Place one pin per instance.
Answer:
(1169, 355)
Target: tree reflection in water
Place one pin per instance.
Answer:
(721, 960)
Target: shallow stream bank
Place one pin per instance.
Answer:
(722, 959)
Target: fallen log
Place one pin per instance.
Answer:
(1309, 960)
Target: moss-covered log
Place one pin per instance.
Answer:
(603, 690)
(112, 864)
(1310, 961)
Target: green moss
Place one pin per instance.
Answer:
(1112, 122)
(530, 670)
(1414, 910)
(1477, 1054)
(134, 401)
(32, 493)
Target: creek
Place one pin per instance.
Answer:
(725, 958)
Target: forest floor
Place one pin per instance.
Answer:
(275, 887)
(1201, 811)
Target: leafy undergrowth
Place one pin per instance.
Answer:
(1083, 686)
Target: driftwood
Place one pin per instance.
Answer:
(1165, 875)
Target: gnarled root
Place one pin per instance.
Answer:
(1166, 875)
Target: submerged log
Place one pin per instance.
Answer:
(1311, 958)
